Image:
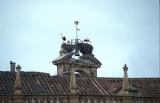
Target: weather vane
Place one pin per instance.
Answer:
(76, 40)
(76, 23)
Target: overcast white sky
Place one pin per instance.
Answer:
(121, 31)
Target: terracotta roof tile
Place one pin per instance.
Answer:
(36, 83)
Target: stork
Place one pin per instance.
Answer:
(63, 37)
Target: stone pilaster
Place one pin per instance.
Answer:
(73, 86)
(128, 99)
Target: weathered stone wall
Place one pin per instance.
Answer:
(81, 99)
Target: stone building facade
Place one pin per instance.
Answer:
(76, 81)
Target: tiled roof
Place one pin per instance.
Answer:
(36, 83)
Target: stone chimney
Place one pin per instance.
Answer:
(12, 66)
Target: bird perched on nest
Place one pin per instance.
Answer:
(63, 37)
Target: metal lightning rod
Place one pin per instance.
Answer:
(76, 40)
(76, 23)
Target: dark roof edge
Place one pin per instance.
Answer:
(114, 96)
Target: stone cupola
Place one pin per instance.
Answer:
(86, 62)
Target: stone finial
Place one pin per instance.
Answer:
(125, 68)
(18, 67)
(17, 85)
(125, 85)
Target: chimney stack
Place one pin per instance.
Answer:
(12, 66)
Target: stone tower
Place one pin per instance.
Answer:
(86, 63)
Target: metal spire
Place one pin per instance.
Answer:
(76, 40)
(76, 23)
